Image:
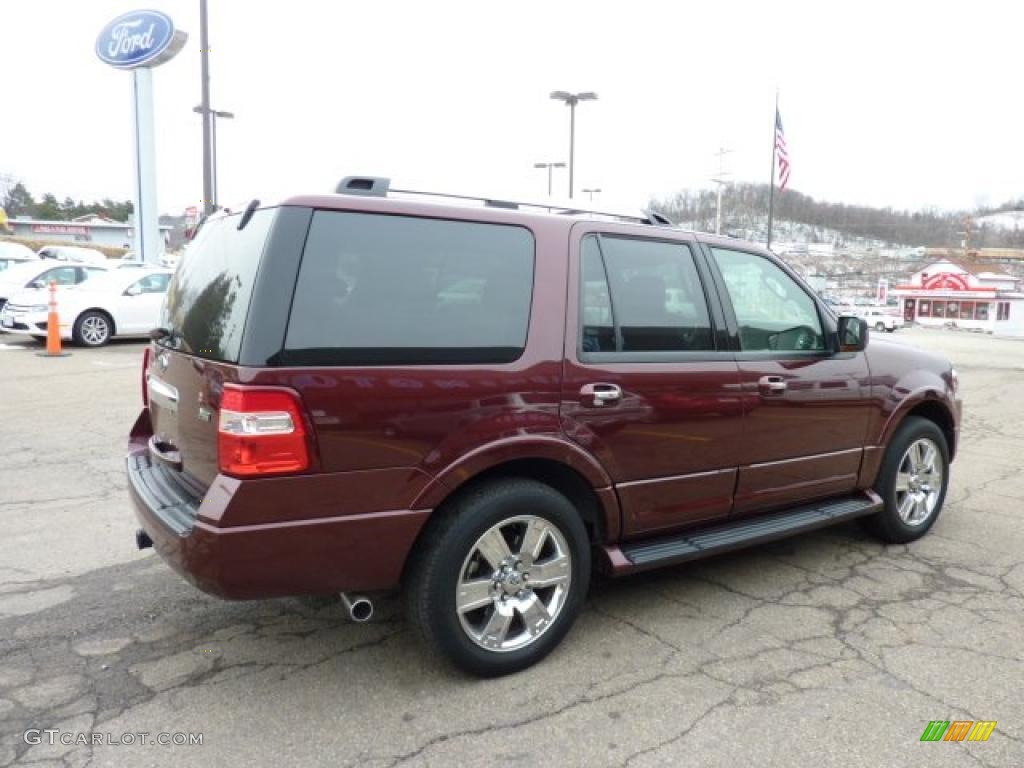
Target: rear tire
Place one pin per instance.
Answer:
(93, 329)
(879, 326)
(473, 585)
(912, 482)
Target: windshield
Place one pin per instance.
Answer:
(22, 273)
(208, 298)
(15, 251)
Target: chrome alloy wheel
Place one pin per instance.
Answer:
(95, 330)
(919, 482)
(514, 583)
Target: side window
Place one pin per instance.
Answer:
(398, 290)
(62, 275)
(597, 328)
(84, 273)
(773, 312)
(641, 296)
(154, 283)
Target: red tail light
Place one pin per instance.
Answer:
(146, 354)
(261, 432)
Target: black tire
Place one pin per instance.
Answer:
(449, 547)
(93, 329)
(879, 326)
(888, 525)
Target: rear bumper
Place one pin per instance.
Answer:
(319, 556)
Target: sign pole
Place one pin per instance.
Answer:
(147, 222)
(138, 41)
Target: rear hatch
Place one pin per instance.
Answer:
(203, 321)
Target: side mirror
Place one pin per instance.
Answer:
(37, 284)
(133, 290)
(853, 334)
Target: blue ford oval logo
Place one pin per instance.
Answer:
(137, 39)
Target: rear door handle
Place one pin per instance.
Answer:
(600, 395)
(771, 385)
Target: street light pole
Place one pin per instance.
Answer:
(721, 180)
(571, 100)
(572, 143)
(213, 161)
(213, 115)
(204, 52)
(550, 167)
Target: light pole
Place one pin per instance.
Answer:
(550, 167)
(592, 192)
(204, 58)
(721, 180)
(571, 100)
(214, 114)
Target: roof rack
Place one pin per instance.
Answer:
(378, 186)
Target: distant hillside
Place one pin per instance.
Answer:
(745, 212)
(1010, 221)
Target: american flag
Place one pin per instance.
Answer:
(781, 152)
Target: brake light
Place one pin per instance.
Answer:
(146, 354)
(260, 432)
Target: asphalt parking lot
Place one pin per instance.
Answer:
(826, 650)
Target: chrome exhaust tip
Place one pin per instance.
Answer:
(359, 607)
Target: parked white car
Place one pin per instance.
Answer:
(72, 253)
(38, 274)
(887, 320)
(14, 253)
(123, 302)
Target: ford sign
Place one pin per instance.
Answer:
(139, 39)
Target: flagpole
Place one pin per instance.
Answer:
(771, 179)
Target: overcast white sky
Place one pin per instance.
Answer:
(896, 103)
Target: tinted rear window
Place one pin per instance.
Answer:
(208, 298)
(376, 290)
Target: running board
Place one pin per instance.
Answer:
(693, 545)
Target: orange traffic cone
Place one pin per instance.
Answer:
(53, 327)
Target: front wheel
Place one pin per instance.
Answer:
(912, 482)
(499, 577)
(93, 329)
(879, 326)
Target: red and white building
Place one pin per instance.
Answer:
(90, 229)
(965, 294)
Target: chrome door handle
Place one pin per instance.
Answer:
(600, 395)
(772, 385)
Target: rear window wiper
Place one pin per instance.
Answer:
(165, 335)
(250, 209)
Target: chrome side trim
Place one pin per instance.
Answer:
(803, 458)
(694, 476)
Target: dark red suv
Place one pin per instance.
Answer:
(480, 401)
